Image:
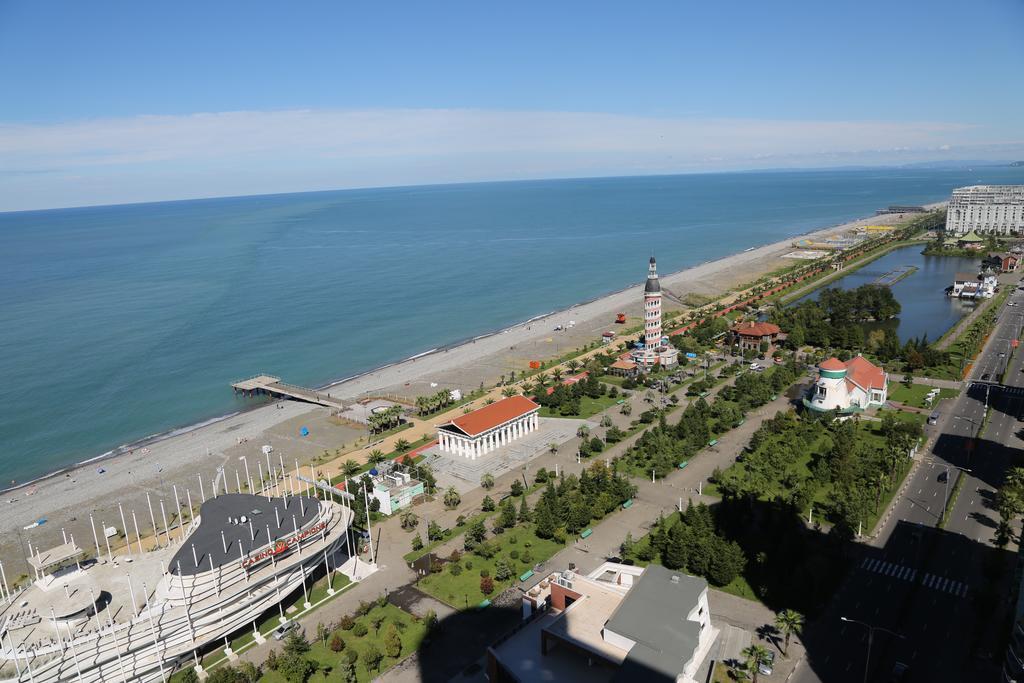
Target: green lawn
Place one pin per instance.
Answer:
(464, 590)
(588, 406)
(410, 629)
(915, 395)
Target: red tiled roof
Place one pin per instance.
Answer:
(833, 364)
(569, 381)
(865, 374)
(753, 329)
(623, 365)
(502, 411)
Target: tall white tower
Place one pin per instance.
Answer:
(652, 315)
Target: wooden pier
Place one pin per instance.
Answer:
(273, 386)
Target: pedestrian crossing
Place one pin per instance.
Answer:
(903, 573)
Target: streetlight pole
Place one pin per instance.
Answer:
(871, 636)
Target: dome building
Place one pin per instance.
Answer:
(850, 387)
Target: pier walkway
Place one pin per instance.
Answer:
(273, 386)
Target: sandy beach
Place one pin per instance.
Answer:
(67, 499)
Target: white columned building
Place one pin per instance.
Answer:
(478, 433)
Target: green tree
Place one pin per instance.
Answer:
(524, 511)
(349, 468)
(756, 656)
(727, 562)
(347, 670)
(372, 657)
(376, 457)
(408, 518)
(417, 542)
(487, 505)
(452, 498)
(392, 641)
(434, 531)
(189, 676)
(376, 621)
(295, 667)
(249, 672)
(545, 521)
(502, 570)
(675, 550)
(788, 622)
(296, 643)
(487, 482)
(508, 514)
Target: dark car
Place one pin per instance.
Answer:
(900, 673)
(943, 476)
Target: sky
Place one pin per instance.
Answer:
(115, 102)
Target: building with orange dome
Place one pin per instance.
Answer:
(848, 387)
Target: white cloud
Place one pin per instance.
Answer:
(208, 154)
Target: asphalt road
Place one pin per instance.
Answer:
(918, 585)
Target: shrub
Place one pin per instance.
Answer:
(337, 644)
(460, 520)
(455, 568)
(485, 550)
(392, 642)
(513, 539)
(382, 600)
(514, 554)
(486, 585)
(364, 608)
(372, 656)
(271, 661)
(502, 570)
(468, 563)
(517, 489)
(360, 630)
(485, 572)
(527, 557)
(455, 556)
(347, 622)
(488, 504)
(417, 542)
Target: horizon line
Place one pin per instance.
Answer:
(931, 165)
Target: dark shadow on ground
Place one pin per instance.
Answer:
(944, 594)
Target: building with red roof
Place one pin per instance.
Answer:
(481, 431)
(850, 387)
(750, 335)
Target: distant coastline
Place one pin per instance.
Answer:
(127, 448)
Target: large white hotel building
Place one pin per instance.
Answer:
(994, 209)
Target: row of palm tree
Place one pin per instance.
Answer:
(384, 419)
(434, 402)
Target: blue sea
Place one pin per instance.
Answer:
(121, 322)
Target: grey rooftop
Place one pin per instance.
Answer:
(217, 515)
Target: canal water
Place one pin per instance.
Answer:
(925, 307)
